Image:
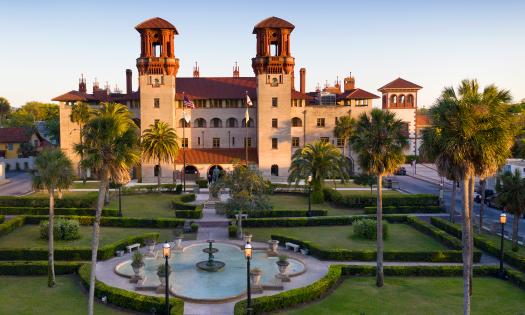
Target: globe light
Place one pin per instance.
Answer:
(166, 249)
(503, 218)
(248, 251)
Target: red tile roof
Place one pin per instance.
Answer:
(273, 22)
(217, 156)
(14, 135)
(400, 83)
(156, 23)
(357, 94)
(423, 120)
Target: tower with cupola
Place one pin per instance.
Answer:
(157, 68)
(273, 66)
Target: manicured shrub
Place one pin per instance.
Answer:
(367, 228)
(194, 227)
(128, 299)
(34, 268)
(405, 209)
(366, 199)
(58, 211)
(232, 230)
(11, 225)
(65, 230)
(202, 183)
(178, 189)
(189, 214)
(317, 196)
(181, 202)
(2, 218)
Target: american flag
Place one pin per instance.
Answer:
(188, 103)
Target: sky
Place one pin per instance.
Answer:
(47, 45)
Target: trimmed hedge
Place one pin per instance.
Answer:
(492, 247)
(318, 289)
(405, 209)
(189, 214)
(365, 199)
(315, 221)
(11, 225)
(36, 268)
(279, 213)
(58, 211)
(140, 189)
(128, 299)
(116, 221)
(74, 253)
(87, 201)
(314, 291)
(232, 230)
(202, 183)
(2, 218)
(185, 210)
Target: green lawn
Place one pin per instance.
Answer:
(87, 185)
(28, 236)
(152, 205)
(30, 295)
(507, 243)
(419, 295)
(402, 237)
(300, 202)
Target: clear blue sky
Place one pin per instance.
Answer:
(46, 45)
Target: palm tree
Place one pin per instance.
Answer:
(80, 114)
(54, 170)
(159, 142)
(344, 128)
(111, 148)
(5, 108)
(320, 160)
(379, 141)
(511, 194)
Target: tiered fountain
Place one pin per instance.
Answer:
(210, 265)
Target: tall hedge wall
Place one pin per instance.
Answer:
(87, 201)
(366, 200)
(58, 211)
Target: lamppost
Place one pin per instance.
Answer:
(502, 221)
(184, 144)
(309, 180)
(248, 255)
(166, 251)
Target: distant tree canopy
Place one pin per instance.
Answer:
(518, 113)
(5, 109)
(27, 115)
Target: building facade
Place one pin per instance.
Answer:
(214, 133)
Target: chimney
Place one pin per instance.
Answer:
(349, 83)
(236, 70)
(82, 84)
(95, 86)
(129, 87)
(196, 73)
(302, 78)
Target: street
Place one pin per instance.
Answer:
(19, 184)
(416, 186)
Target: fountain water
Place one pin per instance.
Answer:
(210, 265)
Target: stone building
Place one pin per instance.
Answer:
(213, 132)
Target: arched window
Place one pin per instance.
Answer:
(250, 123)
(410, 99)
(183, 123)
(200, 123)
(216, 123)
(393, 100)
(401, 98)
(232, 123)
(297, 122)
(274, 170)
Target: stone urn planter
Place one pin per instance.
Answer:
(178, 242)
(255, 279)
(282, 265)
(137, 263)
(161, 273)
(272, 248)
(247, 238)
(150, 246)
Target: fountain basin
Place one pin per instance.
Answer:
(191, 283)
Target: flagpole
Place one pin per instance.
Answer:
(246, 126)
(183, 146)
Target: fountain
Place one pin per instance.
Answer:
(210, 265)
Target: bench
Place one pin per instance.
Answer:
(130, 248)
(292, 245)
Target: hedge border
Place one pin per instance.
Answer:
(2, 218)
(87, 201)
(336, 273)
(405, 209)
(115, 221)
(10, 225)
(128, 299)
(58, 211)
(36, 268)
(279, 213)
(366, 199)
(74, 253)
(484, 243)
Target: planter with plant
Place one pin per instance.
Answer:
(282, 264)
(137, 263)
(272, 248)
(255, 278)
(161, 273)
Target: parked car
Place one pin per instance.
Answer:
(488, 193)
(401, 171)
(492, 202)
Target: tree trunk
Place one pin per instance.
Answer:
(107, 196)
(104, 180)
(82, 170)
(465, 235)
(159, 176)
(515, 225)
(51, 281)
(483, 183)
(379, 273)
(453, 202)
(471, 238)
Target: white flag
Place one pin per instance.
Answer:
(247, 116)
(248, 101)
(186, 117)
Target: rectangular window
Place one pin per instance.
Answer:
(295, 141)
(320, 122)
(274, 101)
(274, 122)
(249, 141)
(10, 146)
(274, 143)
(233, 141)
(325, 139)
(185, 142)
(198, 140)
(340, 142)
(216, 142)
(216, 103)
(156, 102)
